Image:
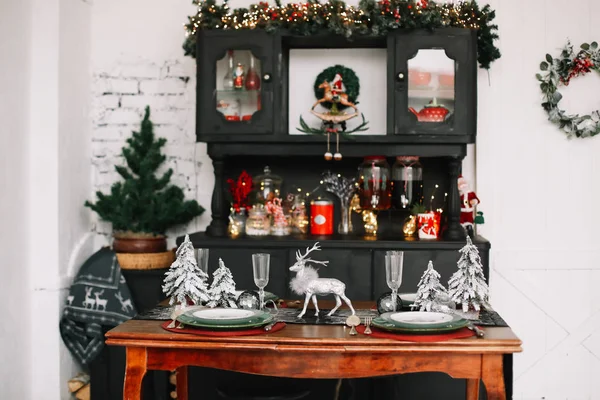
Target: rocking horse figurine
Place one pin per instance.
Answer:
(333, 121)
(334, 96)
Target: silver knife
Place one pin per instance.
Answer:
(270, 326)
(476, 329)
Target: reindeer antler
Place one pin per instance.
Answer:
(300, 257)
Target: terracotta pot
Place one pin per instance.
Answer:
(139, 243)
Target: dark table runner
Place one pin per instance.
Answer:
(289, 315)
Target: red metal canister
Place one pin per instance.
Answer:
(321, 217)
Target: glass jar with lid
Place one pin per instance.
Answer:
(374, 183)
(266, 186)
(407, 182)
(258, 222)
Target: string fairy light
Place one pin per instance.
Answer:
(377, 18)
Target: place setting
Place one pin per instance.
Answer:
(430, 314)
(218, 309)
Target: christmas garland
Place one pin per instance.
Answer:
(560, 71)
(370, 18)
(351, 83)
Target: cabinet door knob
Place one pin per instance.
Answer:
(400, 76)
(267, 77)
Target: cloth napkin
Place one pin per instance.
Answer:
(98, 298)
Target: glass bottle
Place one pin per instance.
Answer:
(267, 186)
(252, 78)
(407, 182)
(375, 186)
(228, 78)
(258, 222)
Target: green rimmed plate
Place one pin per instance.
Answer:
(225, 318)
(419, 322)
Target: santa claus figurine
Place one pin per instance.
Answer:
(337, 85)
(468, 201)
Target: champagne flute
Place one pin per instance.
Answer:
(202, 259)
(394, 262)
(260, 268)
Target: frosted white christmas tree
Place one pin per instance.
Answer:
(429, 289)
(222, 288)
(468, 286)
(185, 280)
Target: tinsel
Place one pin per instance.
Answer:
(370, 18)
(185, 280)
(467, 286)
(222, 288)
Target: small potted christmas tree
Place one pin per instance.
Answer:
(144, 204)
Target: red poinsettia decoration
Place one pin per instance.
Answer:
(240, 190)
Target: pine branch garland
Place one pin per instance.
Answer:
(370, 18)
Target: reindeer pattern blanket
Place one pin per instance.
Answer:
(99, 298)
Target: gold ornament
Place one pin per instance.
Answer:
(337, 156)
(410, 226)
(328, 156)
(370, 219)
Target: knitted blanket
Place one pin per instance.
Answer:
(99, 298)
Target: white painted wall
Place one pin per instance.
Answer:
(45, 166)
(538, 191)
(15, 331)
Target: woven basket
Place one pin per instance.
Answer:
(145, 261)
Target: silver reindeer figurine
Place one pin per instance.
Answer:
(307, 282)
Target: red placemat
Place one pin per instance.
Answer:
(407, 337)
(207, 332)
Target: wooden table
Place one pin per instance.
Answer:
(311, 351)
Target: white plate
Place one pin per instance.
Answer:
(223, 313)
(421, 318)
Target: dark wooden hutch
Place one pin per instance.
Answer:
(264, 139)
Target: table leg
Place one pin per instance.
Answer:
(182, 383)
(473, 389)
(135, 370)
(493, 378)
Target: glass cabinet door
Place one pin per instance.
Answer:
(436, 83)
(235, 94)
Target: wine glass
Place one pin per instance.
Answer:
(394, 262)
(260, 267)
(202, 259)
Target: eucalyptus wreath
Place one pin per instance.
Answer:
(349, 78)
(560, 71)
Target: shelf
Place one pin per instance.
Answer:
(201, 239)
(446, 94)
(238, 93)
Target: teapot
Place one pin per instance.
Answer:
(432, 112)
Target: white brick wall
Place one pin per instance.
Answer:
(121, 93)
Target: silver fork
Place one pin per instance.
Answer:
(368, 321)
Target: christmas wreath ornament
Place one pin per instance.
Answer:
(560, 71)
(335, 94)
